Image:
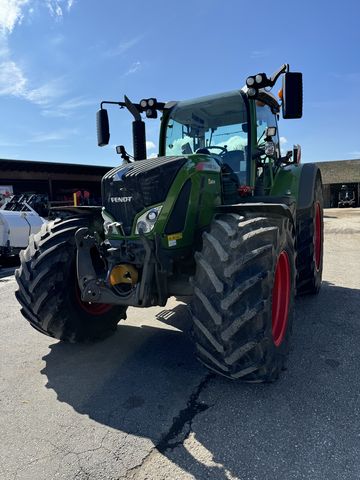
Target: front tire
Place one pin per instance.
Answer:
(242, 306)
(48, 289)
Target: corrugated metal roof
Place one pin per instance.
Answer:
(340, 171)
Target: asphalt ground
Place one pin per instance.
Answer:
(139, 406)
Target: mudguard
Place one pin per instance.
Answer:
(266, 209)
(297, 181)
(93, 213)
(80, 211)
(309, 173)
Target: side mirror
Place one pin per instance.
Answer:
(292, 157)
(292, 95)
(102, 127)
(296, 154)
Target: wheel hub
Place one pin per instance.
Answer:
(91, 308)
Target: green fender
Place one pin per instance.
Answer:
(297, 181)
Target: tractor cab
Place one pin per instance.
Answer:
(215, 125)
(237, 130)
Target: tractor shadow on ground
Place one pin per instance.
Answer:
(304, 425)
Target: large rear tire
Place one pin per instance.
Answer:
(310, 244)
(48, 290)
(242, 306)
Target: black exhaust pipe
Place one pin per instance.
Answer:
(139, 139)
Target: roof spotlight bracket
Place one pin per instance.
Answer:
(260, 81)
(147, 105)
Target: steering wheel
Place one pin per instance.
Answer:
(223, 149)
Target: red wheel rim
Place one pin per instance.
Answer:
(317, 236)
(91, 308)
(281, 298)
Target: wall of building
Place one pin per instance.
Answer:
(56, 180)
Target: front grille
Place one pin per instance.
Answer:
(128, 189)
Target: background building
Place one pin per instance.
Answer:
(338, 173)
(59, 181)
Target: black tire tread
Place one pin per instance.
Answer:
(232, 297)
(43, 283)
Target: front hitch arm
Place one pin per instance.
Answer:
(95, 289)
(88, 282)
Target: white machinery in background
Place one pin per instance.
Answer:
(6, 192)
(18, 220)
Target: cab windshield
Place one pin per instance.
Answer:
(215, 125)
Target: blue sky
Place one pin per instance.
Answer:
(60, 58)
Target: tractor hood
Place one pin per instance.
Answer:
(128, 189)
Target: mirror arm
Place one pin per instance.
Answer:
(132, 109)
(160, 106)
(121, 104)
(284, 68)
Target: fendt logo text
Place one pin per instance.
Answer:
(120, 199)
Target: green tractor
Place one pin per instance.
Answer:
(220, 218)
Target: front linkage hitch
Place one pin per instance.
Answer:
(95, 288)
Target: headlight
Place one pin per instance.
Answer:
(250, 81)
(146, 222)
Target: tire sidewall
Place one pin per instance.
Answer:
(285, 244)
(318, 200)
